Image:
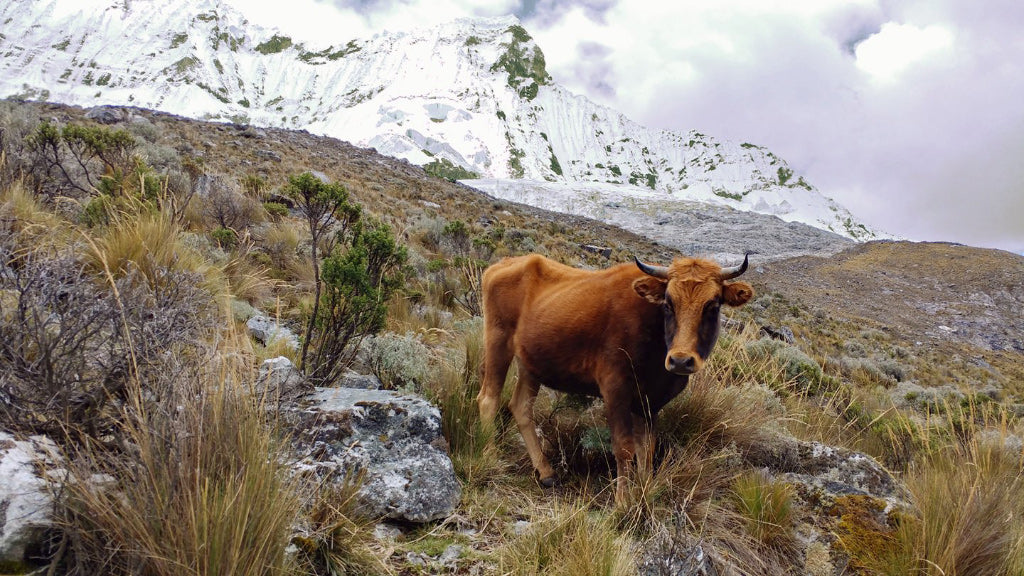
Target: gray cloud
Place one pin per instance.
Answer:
(933, 154)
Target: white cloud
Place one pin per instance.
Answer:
(897, 47)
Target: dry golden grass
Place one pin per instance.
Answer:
(568, 539)
(203, 491)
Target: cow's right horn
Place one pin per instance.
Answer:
(656, 271)
(730, 273)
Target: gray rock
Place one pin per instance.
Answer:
(280, 381)
(603, 251)
(26, 502)
(268, 154)
(520, 527)
(352, 379)
(267, 331)
(450, 557)
(828, 470)
(784, 333)
(393, 439)
(107, 114)
(675, 555)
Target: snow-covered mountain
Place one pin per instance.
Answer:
(473, 93)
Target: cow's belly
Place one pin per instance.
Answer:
(557, 368)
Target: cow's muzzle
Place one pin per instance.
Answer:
(682, 364)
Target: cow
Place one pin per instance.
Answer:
(631, 334)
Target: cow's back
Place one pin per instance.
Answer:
(511, 286)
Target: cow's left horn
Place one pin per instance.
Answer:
(656, 271)
(730, 273)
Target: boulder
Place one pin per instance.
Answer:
(107, 114)
(26, 501)
(393, 439)
(280, 381)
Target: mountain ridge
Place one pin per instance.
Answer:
(472, 92)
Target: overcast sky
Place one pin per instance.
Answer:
(910, 113)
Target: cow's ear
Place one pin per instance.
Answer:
(651, 289)
(737, 293)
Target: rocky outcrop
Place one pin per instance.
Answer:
(828, 470)
(26, 501)
(394, 439)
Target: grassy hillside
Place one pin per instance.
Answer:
(135, 266)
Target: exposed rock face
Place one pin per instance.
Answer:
(26, 503)
(395, 439)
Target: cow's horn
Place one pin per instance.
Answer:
(656, 271)
(730, 273)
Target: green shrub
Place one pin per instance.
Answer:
(444, 168)
(360, 276)
(799, 368)
(275, 209)
(225, 237)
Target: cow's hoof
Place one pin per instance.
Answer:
(549, 482)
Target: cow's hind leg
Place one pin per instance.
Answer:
(522, 408)
(497, 359)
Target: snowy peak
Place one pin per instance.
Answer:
(467, 98)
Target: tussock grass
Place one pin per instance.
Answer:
(150, 244)
(729, 402)
(568, 539)
(23, 214)
(766, 506)
(338, 540)
(203, 489)
(473, 447)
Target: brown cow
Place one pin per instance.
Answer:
(631, 334)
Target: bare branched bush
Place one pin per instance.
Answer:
(226, 207)
(69, 344)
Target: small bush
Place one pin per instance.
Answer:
(799, 368)
(276, 210)
(225, 237)
(338, 540)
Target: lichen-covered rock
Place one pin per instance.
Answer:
(394, 439)
(26, 502)
(668, 554)
(829, 470)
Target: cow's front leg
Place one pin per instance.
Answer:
(522, 409)
(620, 421)
(644, 440)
